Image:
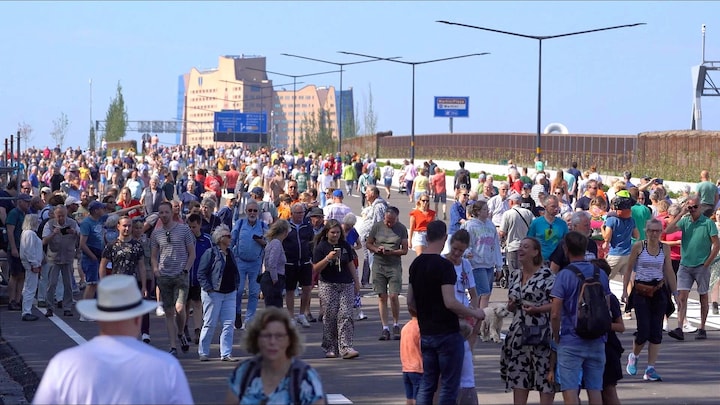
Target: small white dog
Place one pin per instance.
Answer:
(493, 322)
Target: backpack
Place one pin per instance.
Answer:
(463, 180)
(297, 371)
(593, 318)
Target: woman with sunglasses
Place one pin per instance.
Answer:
(218, 278)
(420, 217)
(339, 284)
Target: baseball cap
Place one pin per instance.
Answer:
(46, 190)
(258, 191)
(515, 197)
(229, 196)
(316, 212)
(338, 194)
(96, 205)
(24, 197)
(71, 200)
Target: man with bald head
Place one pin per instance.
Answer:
(707, 193)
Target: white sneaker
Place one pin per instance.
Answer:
(83, 319)
(160, 311)
(361, 316)
(687, 328)
(665, 326)
(302, 320)
(146, 338)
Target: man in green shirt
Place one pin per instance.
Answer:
(708, 193)
(639, 212)
(698, 249)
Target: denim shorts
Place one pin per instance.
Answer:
(686, 276)
(91, 269)
(412, 384)
(588, 359)
(484, 279)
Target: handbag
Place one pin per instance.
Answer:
(647, 290)
(535, 335)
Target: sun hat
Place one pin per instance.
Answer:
(118, 299)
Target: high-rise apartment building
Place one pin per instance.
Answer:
(240, 83)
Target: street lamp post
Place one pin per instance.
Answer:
(540, 38)
(413, 64)
(339, 118)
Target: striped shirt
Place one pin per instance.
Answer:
(173, 247)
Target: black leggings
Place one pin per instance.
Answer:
(650, 313)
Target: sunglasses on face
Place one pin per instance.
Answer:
(251, 210)
(692, 207)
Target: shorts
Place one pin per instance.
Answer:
(440, 197)
(298, 274)
(15, 266)
(588, 359)
(419, 238)
(388, 181)
(618, 264)
(412, 384)
(194, 293)
(613, 369)
(387, 279)
(484, 279)
(336, 177)
(173, 290)
(686, 276)
(91, 269)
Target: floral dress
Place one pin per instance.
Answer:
(526, 367)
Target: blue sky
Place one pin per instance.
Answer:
(616, 82)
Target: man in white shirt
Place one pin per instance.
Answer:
(78, 375)
(337, 210)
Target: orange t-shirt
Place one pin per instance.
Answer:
(422, 219)
(410, 355)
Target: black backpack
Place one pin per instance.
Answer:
(593, 318)
(463, 179)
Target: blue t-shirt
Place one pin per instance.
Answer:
(549, 235)
(621, 242)
(94, 231)
(567, 288)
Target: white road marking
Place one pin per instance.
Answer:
(70, 332)
(338, 399)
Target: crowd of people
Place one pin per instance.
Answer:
(199, 231)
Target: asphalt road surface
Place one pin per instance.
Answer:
(690, 369)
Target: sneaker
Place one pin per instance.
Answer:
(48, 313)
(396, 332)
(229, 358)
(715, 308)
(29, 317)
(627, 316)
(59, 305)
(184, 345)
(702, 335)
(66, 312)
(238, 321)
(42, 304)
(361, 316)
(83, 319)
(631, 367)
(687, 328)
(350, 354)
(204, 358)
(197, 336)
(665, 326)
(160, 311)
(385, 335)
(651, 375)
(173, 351)
(303, 321)
(330, 355)
(82, 285)
(14, 306)
(320, 318)
(146, 338)
(310, 318)
(677, 333)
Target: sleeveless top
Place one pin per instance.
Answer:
(152, 205)
(649, 267)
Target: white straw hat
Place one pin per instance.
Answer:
(119, 298)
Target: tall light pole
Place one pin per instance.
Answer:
(91, 121)
(540, 38)
(413, 64)
(294, 77)
(339, 118)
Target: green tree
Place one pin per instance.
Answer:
(370, 118)
(116, 118)
(351, 126)
(316, 133)
(92, 141)
(60, 128)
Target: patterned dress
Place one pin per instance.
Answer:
(521, 366)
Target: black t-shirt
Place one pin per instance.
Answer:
(427, 273)
(558, 255)
(528, 203)
(228, 282)
(583, 203)
(334, 273)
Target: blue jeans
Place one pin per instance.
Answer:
(442, 359)
(484, 279)
(217, 307)
(249, 271)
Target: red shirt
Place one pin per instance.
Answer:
(438, 183)
(422, 219)
(231, 178)
(132, 203)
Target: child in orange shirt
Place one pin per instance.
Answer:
(411, 358)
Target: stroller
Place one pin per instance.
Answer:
(502, 278)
